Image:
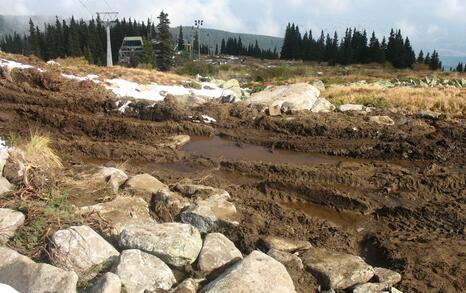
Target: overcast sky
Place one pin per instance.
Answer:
(431, 24)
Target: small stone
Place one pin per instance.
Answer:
(121, 211)
(176, 244)
(218, 252)
(336, 270)
(144, 183)
(287, 245)
(383, 120)
(286, 258)
(10, 221)
(387, 276)
(257, 272)
(24, 275)
(13, 170)
(200, 191)
(351, 107)
(112, 176)
(322, 105)
(187, 286)
(108, 283)
(81, 249)
(430, 115)
(275, 109)
(178, 141)
(140, 271)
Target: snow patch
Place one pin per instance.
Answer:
(208, 119)
(156, 92)
(79, 78)
(12, 64)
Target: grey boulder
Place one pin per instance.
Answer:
(5, 186)
(257, 272)
(336, 270)
(140, 271)
(24, 275)
(10, 221)
(82, 250)
(175, 243)
(121, 211)
(218, 252)
(284, 244)
(144, 183)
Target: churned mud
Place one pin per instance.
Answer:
(396, 195)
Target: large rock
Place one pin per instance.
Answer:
(5, 186)
(286, 258)
(387, 276)
(176, 244)
(112, 176)
(257, 272)
(10, 221)
(383, 120)
(299, 96)
(232, 88)
(167, 204)
(23, 274)
(287, 245)
(82, 250)
(144, 183)
(336, 270)
(121, 211)
(140, 271)
(108, 283)
(430, 115)
(211, 213)
(218, 252)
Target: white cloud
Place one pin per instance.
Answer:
(451, 9)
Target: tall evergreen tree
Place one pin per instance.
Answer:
(164, 48)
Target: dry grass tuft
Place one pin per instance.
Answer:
(39, 154)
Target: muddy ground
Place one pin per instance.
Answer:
(393, 194)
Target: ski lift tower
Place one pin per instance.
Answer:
(198, 23)
(109, 20)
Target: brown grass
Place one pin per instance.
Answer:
(450, 101)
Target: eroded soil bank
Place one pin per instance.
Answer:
(392, 194)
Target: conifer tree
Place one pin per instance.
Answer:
(164, 49)
(420, 57)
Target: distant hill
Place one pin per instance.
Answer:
(212, 37)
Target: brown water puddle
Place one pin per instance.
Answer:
(343, 219)
(222, 149)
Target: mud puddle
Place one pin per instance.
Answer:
(343, 219)
(219, 148)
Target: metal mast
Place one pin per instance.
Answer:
(108, 19)
(198, 23)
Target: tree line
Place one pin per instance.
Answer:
(354, 47)
(235, 47)
(461, 67)
(79, 38)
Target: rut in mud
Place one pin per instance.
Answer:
(394, 195)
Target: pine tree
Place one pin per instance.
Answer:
(148, 56)
(164, 48)
(180, 39)
(460, 67)
(409, 55)
(420, 57)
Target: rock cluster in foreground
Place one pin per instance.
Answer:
(139, 254)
